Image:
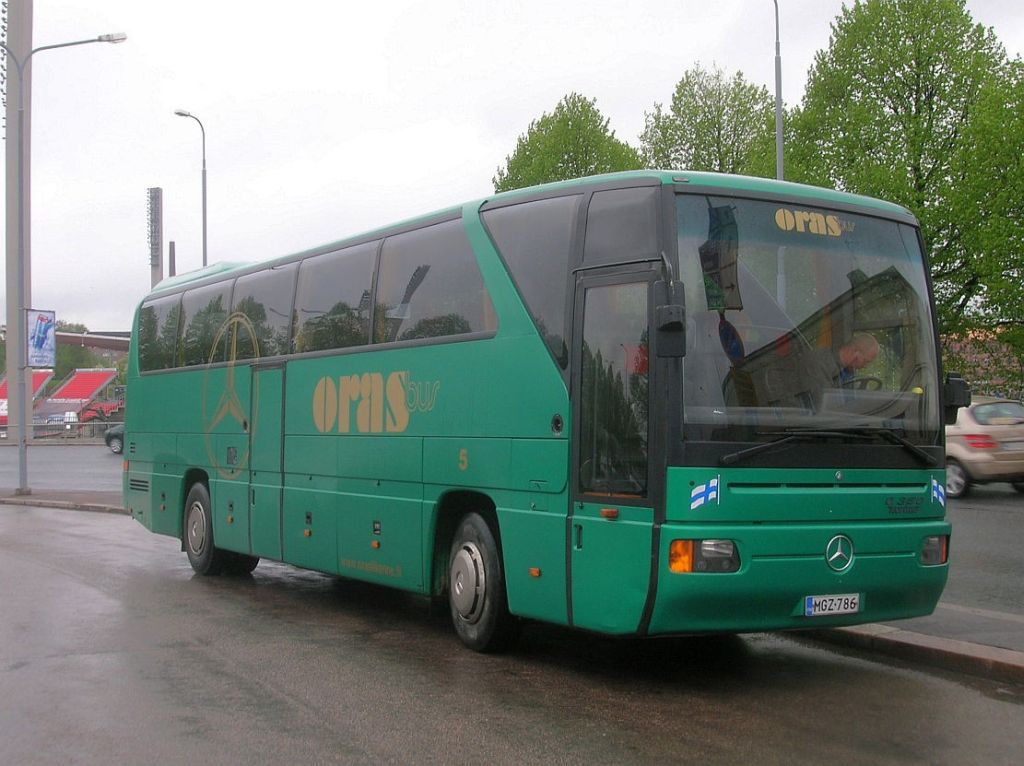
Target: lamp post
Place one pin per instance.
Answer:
(778, 98)
(183, 113)
(20, 336)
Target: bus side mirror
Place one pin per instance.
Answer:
(670, 321)
(955, 394)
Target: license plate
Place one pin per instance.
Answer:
(843, 603)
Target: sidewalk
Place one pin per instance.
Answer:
(104, 502)
(961, 639)
(965, 640)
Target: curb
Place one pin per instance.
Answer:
(64, 505)
(991, 662)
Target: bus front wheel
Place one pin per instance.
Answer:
(241, 563)
(476, 588)
(204, 557)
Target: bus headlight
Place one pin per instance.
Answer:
(935, 550)
(703, 556)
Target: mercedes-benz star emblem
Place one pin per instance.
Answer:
(839, 553)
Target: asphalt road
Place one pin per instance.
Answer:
(983, 602)
(986, 552)
(74, 466)
(111, 651)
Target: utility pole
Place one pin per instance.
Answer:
(18, 90)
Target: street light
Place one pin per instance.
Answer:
(778, 98)
(20, 338)
(183, 113)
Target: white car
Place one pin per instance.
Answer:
(986, 444)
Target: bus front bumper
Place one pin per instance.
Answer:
(783, 568)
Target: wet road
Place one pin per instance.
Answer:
(89, 467)
(111, 651)
(986, 555)
(983, 602)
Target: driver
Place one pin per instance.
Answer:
(798, 378)
(858, 352)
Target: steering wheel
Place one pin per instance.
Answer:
(864, 383)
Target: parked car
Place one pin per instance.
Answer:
(986, 444)
(114, 437)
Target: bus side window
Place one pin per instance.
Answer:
(622, 224)
(158, 333)
(614, 391)
(205, 310)
(332, 300)
(535, 240)
(429, 286)
(265, 298)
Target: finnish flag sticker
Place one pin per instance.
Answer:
(704, 493)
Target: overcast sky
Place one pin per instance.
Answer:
(325, 118)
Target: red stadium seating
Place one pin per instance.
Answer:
(39, 379)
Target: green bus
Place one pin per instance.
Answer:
(626, 404)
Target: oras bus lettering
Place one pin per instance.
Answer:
(369, 403)
(804, 221)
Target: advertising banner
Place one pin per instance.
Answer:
(42, 338)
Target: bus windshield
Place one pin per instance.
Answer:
(800, 316)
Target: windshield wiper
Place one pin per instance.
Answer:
(895, 438)
(784, 437)
(860, 434)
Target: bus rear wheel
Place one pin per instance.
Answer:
(476, 588)
(205, 558)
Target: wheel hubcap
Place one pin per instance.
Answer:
(196, 528)
(468, 582)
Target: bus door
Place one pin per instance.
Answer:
(265, 465)
(611, 518)
(226, 398)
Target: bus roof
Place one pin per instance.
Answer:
(724, 181)
(188, 277)
(727, 183)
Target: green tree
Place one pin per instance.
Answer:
(915, 103)
(65, 326)
(981, 271)
(71, 358)
(992, 360)
(713, 123)
(572, 141)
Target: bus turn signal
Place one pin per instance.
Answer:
(680, 556)
(703, 556)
